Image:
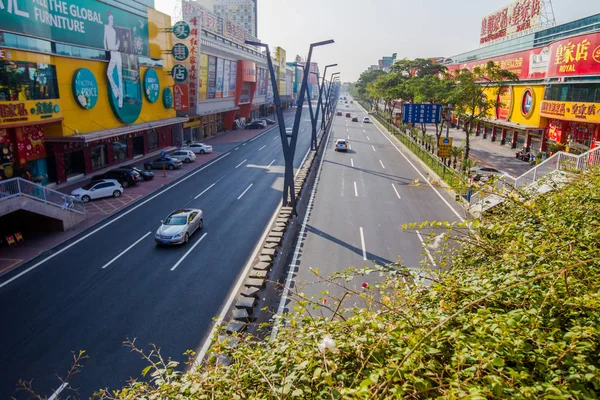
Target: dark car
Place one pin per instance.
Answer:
(269, 121)
(125, 177)
(339, 113)
(163, 162)
(146, 175)
(354, 119)
(256, 125)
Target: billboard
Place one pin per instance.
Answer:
(232, 78)
(226, 77)
(576, 56)
(212, 77)
(520, 16)
(234, 32)
(80, 22)
(220, 66)
(203, 77)
(248, 71)
(571, 111)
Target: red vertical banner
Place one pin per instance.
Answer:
(181, 97)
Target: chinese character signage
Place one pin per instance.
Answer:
(444, 147)
(179, 73)
(80, 22)
(232, 79)
(575, 56)
(181, 30)
(234, 31)
(226, 76)
(581, 112)
(203, 81)
(28, 111)
(180, 52)
(520, 16)
(181, 97)
(220, 66)
(185, 51)
(422, 113)
(248, 70)
(212, 77)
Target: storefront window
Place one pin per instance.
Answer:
(120, 151)
(20, 81)
(99, 156)
(587, 93)
(74, 163)
(152, 140)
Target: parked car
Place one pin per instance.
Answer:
(482, 173)
(163, 162)
(199, 148)
(347, 106)
(187, 156)
(146, 175)
(354, 119)
(268, 121)
(348, 115)
(351, 102)
(98, 189)
(366, 120)
(179, 226)
(258, 124)
(125, 176)
(341, 145)
(339, 113)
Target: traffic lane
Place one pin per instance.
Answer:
(83, 282)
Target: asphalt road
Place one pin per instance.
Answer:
(167, 296)
(362, 200)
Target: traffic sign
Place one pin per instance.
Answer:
(444, 147)
(422, 113)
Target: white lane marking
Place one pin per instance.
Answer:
(373, 148)
(362, 242)
(187, 253)
(58, 391)
(426, 249)
(252, 140)
(275, 137)
(111, 222)
(269, 166)
(299, 243)
(352, 162)
(348, 136)
(364, 131)
(422, 176)
(395, 190)
(244, 144)
(347, 130)
(244, 192)
(355, 189)
(368, 138)
(205, 190)
(240, 164)
(381, 162)
(233, 294)
(262, 147)
(126, 250)
(237, 148)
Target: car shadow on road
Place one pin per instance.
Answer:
(397, 179)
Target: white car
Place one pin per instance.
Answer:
(98, 189)
(199, 148)
(179, 226)
(366, 120)
(183, 155)
(341, 145)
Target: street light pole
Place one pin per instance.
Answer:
(328, 97)
(320, 104)
(288, 152)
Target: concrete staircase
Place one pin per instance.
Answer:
(20, 194)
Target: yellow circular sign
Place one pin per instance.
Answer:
(596, 54)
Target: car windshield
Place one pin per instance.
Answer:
(176, 220)
(89, 185)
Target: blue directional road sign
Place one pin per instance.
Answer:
(422, 113)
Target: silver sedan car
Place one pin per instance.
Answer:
(179, 226)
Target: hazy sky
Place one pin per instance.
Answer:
(366, 31)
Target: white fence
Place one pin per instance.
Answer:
(21, 187)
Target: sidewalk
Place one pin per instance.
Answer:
(38, 243)
(488, 153)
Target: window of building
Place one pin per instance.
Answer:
(20, 81)
(152, 140)
(586, 93)
(99, 156)
(120, 151)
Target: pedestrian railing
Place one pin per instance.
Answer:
(16, 187)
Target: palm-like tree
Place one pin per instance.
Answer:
(455, 152)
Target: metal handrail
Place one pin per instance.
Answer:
(15, 187)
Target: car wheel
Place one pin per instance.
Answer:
(186, 238)
(171, 167)
(200, 224)
(148, 167)
(125, 184)
(86, 199)
(202, 152)
(187, 161)
(117, 193)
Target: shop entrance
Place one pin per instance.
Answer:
(138, 146)
(74, 163)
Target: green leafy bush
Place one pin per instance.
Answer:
(516, 315)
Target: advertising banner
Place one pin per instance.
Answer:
(203, 81)
(248, 71)
(226, 74)
(212, 77)
(181, 97)
(232, 79)
(288, 84)
(580, 112)
(520, 16)
(125, 86)
(80, 22)
(245, 93)
(505, 107)
(28, 111)
(219, 91)
(266, 83)
(234, 31)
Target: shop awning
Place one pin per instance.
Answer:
(511, 125)
(108, 133)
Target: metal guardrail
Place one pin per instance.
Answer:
(16, 187)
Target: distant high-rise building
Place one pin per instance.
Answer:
(242, 12)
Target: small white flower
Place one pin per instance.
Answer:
(327, 344)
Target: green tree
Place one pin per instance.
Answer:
(475, 94)
(366, 78)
